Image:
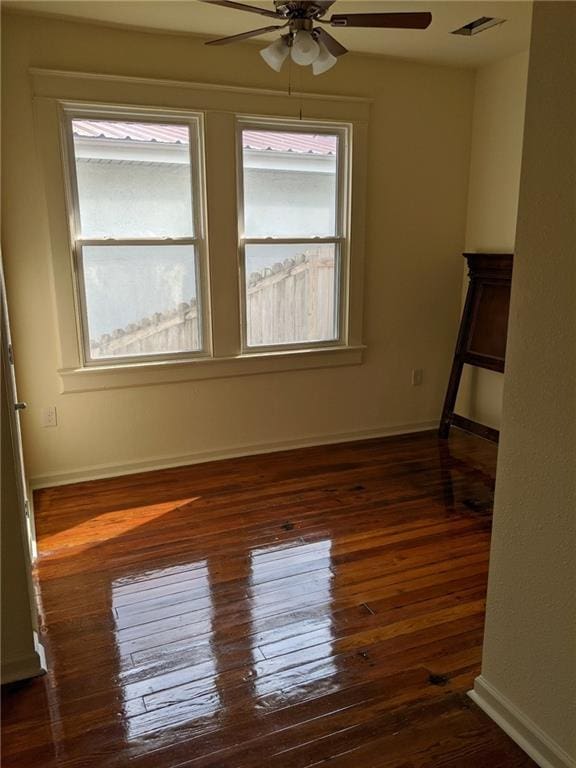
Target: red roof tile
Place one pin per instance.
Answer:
(302, 143)
(261, 141)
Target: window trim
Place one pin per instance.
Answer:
(341, 238)
(220, 106)
(69, 111)
(90, 379)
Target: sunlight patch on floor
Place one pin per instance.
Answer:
(110, 525)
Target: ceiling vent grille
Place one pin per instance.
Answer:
(479, 25)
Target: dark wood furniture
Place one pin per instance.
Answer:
(483, 329)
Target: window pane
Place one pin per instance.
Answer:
(289, 184)
(141, 300)
(133, 179)
(290, 294)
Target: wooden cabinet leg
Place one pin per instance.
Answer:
(450, 399)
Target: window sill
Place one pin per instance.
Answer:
(172, 372)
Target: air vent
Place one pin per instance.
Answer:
(479, 25)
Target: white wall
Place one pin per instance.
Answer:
(498, 126)
(311, 197)
(529, 664)
(144, 199)
(417, 188)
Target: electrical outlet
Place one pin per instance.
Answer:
(417, 377)
(49, 416)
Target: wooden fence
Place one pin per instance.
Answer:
(291, 302)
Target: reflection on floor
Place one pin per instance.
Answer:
(316, 605)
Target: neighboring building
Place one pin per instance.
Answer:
(126, 168)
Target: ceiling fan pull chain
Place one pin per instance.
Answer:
(290, 90)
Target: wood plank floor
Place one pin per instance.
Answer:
(317, 606)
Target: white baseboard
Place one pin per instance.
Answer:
(102, 471)
(22, 668)
(540, 747)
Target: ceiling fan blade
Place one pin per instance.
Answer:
(243, 7)
(335, 48)
(382, 20)
(244, 35)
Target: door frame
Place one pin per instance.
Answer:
(15, 408)
(27, 658)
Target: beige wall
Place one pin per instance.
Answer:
(498, 125)
(417, 188)
(529, 663)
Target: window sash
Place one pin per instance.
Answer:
(138, 358)
(340, 238)
(339, 297)
(194, 123)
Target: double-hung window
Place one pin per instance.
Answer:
(137, 223)
(147, 188)
(293, 239)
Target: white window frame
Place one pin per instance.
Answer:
(194, 122)
(219, 107)
(340, 239)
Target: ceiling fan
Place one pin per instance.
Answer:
(309, 44)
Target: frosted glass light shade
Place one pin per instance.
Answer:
(305, 49)
(276, 54)
(325, 60)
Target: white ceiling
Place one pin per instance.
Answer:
(435, 44)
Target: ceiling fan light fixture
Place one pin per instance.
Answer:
(325, 60)
(309, 45)
(276, 54)
(305, 50)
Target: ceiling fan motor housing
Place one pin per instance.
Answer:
(302, 9)
(297, 24)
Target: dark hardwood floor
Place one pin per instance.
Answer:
(319, 606)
